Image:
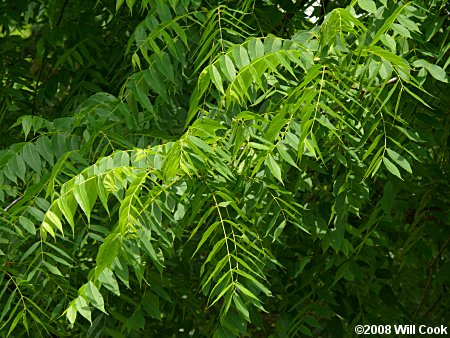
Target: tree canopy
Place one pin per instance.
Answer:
(223, 168)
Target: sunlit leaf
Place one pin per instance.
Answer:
(391, 167)
(94, 296)
(274, 168)
(368, 5)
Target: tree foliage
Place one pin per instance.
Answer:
(223, 168)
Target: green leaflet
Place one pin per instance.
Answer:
(155, 82)
(145, 240)
(52, 218)
(278, 230)
(388, 41)
(27, 225)
(202, 84)
(139, 88)
(109, 281)
(437, 72)
(150, 303)
(85, 193)
(43, 146)
(172, 161)
(83, 308)
(368, 5)
(68, 205)
(255, 48)
(167, 67)
(107, 252)
(18, 317)
(94, 296)
(277, 123)
(399, 29)
(416, 97)
(45, 227)
(53, 269)
(30, 250)
(391, 57)
(128, 214)
(407, 23)
(216, 78)
(274, 167)
(387, 23)
(227, 67)
(241, 307)
(413, 136)
(16, 168)
(391, 167)
(399, 159)
(240, 56)
(206, 235)
(71, 313)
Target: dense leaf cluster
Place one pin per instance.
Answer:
(226, 168)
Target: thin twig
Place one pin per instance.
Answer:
(61, 13)
(430, 274)
(12, 203)
(390, 82)
(323, 11)
(436, 302)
